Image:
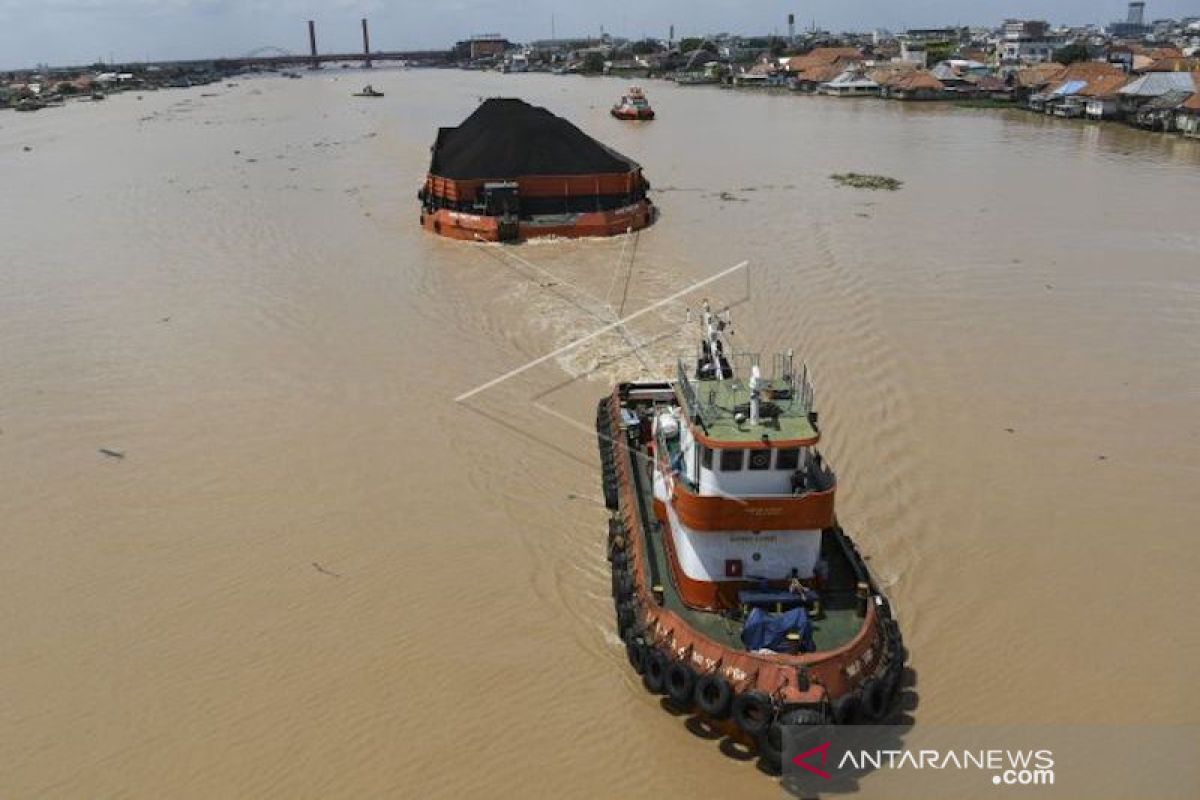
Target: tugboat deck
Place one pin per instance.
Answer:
(722, 405)
(838, 623)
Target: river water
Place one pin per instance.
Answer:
(315, 574)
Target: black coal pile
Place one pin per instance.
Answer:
(508, 138)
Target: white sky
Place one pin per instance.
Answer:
(82, 31)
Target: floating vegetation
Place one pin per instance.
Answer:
(858, 181)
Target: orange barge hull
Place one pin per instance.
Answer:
(477, 227)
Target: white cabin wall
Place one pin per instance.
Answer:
(702, 554)
(748, 481)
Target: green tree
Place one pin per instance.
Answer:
(593, 62)
(689, 44)
(644, 47)
(1072, 53)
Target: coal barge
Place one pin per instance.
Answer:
(513, 171)
(738, 595)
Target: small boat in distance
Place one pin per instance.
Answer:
(368, 91)
(738, 595)
(633, 105)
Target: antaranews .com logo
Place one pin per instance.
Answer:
(1007, 767)
(953, 762)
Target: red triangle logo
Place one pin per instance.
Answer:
(823, 751)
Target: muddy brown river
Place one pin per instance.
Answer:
(314, 574)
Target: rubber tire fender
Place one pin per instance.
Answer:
(770, 743)
(713, 695)
(681, 684)
(655, 676)
(753, 712)
(846, 709)
(635, 651)
(874, 699)
(626, 617)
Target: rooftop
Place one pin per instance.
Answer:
(785, 402)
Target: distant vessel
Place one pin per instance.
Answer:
(513, 171)
(368, 91)
(633, 105)
(738, 594)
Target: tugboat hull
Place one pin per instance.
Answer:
(680, 651)
(632, 113)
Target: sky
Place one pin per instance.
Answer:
(60, 32)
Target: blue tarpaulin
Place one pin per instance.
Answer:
(1069, 88)
(763, 630)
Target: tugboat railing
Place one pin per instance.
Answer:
(783, 367)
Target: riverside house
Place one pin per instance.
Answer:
(1152, 85)
(1187, 117)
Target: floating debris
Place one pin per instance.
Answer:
(111, 453)
(859, 181)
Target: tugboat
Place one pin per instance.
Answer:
(368, 91)
(633, 105)
(738, 595)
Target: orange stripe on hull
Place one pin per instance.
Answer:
(812, 511)
(474, 227)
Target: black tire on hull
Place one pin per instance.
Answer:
(770, 743)
(875, 698)
(622, 585)
(635, 651)
(604, 444)
(611, 501)
(753, 712)
(681, 684)
(846, 709)
(626, 617)
(713, 695)
(655, 676)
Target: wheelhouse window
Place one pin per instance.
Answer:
(706, 457)
(731, 460)
(760, 459)
(788, 458)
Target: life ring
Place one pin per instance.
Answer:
(713, 695)
(655, 676)
(753, 712)
(874, 698)
(681, 684)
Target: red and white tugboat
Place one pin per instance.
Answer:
(737, 593)
(633, 105)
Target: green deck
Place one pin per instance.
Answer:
(838, 623)
(717, 402)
